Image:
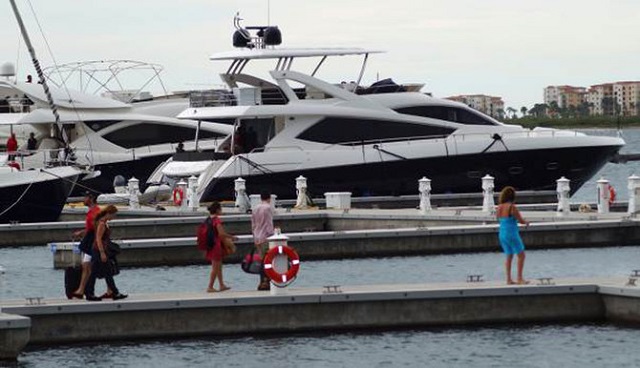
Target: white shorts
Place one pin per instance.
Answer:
(86, 258)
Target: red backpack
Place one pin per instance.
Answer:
(205, 235)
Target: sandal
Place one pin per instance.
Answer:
(225, 288)
(106, 296)
(211, 290)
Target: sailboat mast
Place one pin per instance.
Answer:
(36, 65)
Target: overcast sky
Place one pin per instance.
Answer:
(508, 48)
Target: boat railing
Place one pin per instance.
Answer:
(431, 138)
(16, 105)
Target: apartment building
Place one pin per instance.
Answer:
(627, 97)
(600, 99)
(565, 96)
(490, 105)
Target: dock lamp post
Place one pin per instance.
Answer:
(603, 195)
(563, 189)
(302, 200)
(133, 187)
(424, 187)
(488, 204)
(242, 201)
(192, 197)
(634, 192)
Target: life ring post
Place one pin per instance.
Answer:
(281, 263)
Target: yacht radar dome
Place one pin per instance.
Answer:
(263, 35)
(7, 70)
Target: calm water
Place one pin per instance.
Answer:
(29, 273)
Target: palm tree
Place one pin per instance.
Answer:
(524, 110)
(500, 113)
(512, 112)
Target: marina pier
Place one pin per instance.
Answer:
(332, 308)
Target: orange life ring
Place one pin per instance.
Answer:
(178, 196)
(612, 195)
(281, 279)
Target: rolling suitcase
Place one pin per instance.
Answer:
(72, 276)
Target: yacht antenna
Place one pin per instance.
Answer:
(268, 12)
(36, 65)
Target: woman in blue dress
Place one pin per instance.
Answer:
(508, 218)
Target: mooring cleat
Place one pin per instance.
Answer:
(474, 278)
(545, 281)
(332, 289)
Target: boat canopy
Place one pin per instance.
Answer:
(251, 54)
(69, 99)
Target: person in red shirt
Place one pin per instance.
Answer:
(89, 228)
(12, 146)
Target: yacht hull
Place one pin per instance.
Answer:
(140, 168)
(524, 170)
(38, 201)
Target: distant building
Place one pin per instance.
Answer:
(598, 99)
(601, 99)
(565, 96)
(627, 98)
(490, 105)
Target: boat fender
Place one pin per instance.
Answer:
(281, 279)
(612, 195)
(178, 196)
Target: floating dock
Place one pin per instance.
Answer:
(332, 308)
(291, 221)
(378, 242)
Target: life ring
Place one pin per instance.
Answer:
(178, 196)
(612, 195)
(271, 273)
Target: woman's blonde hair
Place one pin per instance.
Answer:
(109, 210)
(508, 194)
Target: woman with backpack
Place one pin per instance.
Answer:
(216, 251)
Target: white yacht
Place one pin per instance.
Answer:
(377, 140)
(115, 137)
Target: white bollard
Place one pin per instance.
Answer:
(634, 194)
(280, 262)
(563, 189)
(303, 200)
(424, 187)
(242, 200)
(488, 204)
(133, 187)
(182, 188)
(603, 195)
(193, 200)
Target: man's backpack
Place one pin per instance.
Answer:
(206, 235)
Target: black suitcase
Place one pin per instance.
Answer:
(72, 276)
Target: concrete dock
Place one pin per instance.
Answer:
(55, 322)
(15, 333)
(287, 219)
(379, 243)
(292, 221)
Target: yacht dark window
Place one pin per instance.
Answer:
(99, 125)
(147, 134)
(448, 113)
(254, 134)
(357, 131)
